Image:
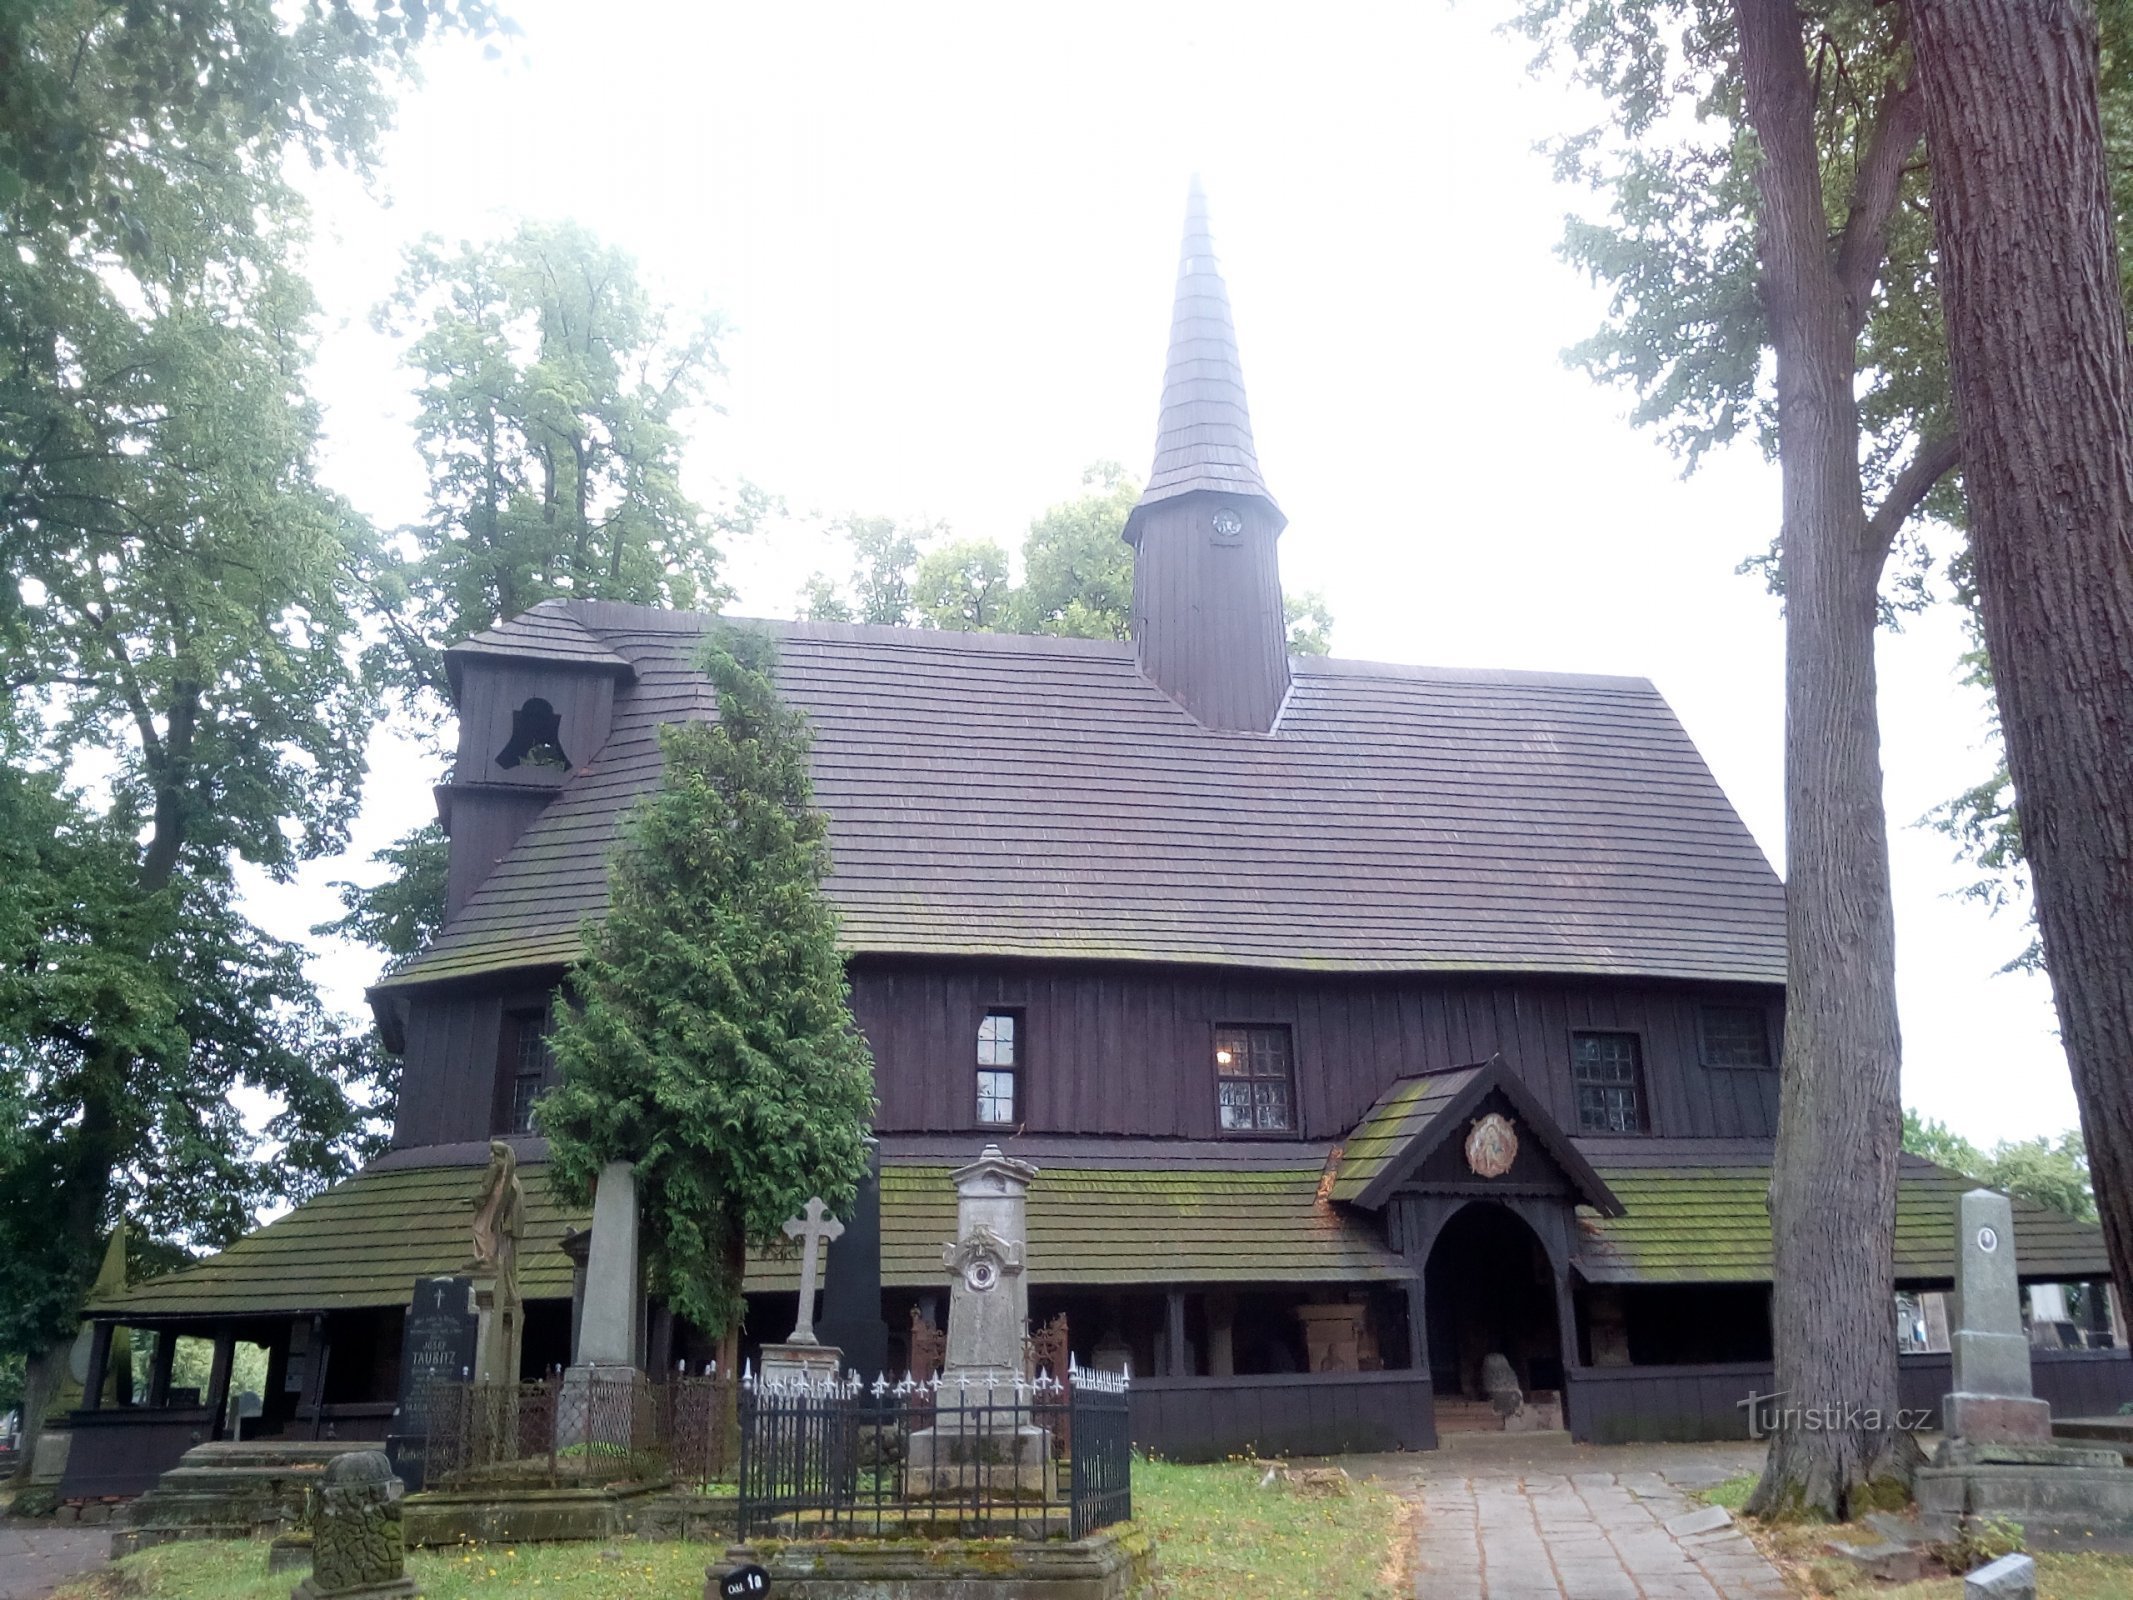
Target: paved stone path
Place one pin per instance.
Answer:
(36, 1557)
(1534, 1517)
(1580, 1536)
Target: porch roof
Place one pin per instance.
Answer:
(1703, 1217)
(1420, 1111)
(365, 1241)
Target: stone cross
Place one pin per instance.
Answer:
(814, 1228)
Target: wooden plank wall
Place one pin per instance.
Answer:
(1626, 1405)
(1318, 1413)
(1127, 1050)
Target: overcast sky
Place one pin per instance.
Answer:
(944, 239)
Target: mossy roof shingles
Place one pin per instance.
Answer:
(1006, 796)
(1711, 1224)
(364, 1242)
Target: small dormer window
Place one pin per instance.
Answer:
(536, 738)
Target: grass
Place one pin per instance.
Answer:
(2069, 1577)
(1732, 1494)
(1220, 1537)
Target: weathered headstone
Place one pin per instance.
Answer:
(598, 1404)
(356, 1546)
(851, 1282)
(1993, 1402)
(980, 1442)
(437, 1348)
(2009, 1578)
(1998, 1461)
(614, 1296)
(803, 1356)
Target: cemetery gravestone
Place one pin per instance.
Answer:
(1998, 1461)
(802, 1356)
(356, 1546)
(439, 1348)
(598, 1405)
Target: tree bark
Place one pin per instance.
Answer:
(1833, 1189)
(2044, 400)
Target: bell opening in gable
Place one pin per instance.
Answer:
(536, 738)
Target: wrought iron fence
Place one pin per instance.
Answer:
(1024, 1458)
(580, 1428)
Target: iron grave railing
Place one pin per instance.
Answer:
(948, 1457)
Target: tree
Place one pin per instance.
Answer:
(1077, 575)
(2052, 1172)
(553, 394)
(174, 628)
(1762, 188)
(2037, 332)
(101, 105)
(711, 1041)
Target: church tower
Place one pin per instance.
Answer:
(1207, 613)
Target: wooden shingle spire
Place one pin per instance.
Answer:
(1204, 439)
(1207, 614)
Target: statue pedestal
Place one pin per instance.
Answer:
(598, 1407)
(815, 1365)
(983, 1444)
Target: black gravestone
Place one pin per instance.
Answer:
(851, 1282)
(438, 1348)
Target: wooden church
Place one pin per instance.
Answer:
(1364, 1021)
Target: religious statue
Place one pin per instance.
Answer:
(356, 1544)
(499, 1217)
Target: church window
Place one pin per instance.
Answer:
(1255, 1080)
(527, 1064)
(999, 1069)
(1734, 1036)
(536, 738)
(1608, 1070)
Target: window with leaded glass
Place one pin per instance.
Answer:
(1608, 1070)
(1734, 1036)
(528, 1062)
(1255, 1080)
(999, 1068)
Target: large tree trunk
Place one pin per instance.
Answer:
(2044, 395)
(1833, 1193)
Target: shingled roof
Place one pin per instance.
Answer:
(1703, 1216)
(995, 795)
(1203, 440)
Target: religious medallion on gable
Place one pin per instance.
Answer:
(1491, 1146)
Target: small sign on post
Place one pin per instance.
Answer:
(744, 1583)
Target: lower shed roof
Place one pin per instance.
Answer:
(364, 1242)
(1157, 1217)
(1707, 1220)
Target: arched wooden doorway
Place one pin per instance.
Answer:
(1490, 1287)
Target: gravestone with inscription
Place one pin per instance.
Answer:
(438, 1348)
(803, 1357)
(981, 1440)
(1997, 1460)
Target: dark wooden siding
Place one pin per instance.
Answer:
(1127, 1050)
(1626, 1405)
(448, 1079)
(1315, 1413)
(583, 699)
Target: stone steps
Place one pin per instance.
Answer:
(228, 1490)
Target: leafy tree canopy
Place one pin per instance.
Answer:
(175, 629)
(2052, 1172)
(1077, 575)
(711, 1043)
(103, 106)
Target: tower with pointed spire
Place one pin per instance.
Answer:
(1207, 611)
